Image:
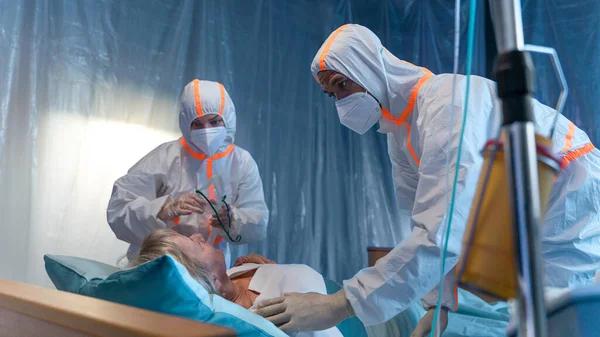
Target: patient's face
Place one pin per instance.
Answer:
(202, 252)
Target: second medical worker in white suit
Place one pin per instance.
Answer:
(413, 107)
(159, 191)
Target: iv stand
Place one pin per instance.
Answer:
(515, 77)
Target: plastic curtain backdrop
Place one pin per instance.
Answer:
(89, 87)
(573, 29)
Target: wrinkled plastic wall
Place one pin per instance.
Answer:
(88, 87)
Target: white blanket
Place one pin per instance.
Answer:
(273, 280)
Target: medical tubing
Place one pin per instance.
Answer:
(449, 140)
(239, 237)
(469, 63)
(454, 77)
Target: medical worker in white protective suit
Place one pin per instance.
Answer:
(413, 107)
(159, 191)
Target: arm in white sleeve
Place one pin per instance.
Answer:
(135, 202)
(250, 211)
(406, 186)
(412, 268)
(449, 294)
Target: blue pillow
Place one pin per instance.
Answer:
(161, 285)
(69, 273)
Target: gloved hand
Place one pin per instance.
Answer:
(225, 216)
(252, 258)
(296, 312)
(424, 326)
(186, 204)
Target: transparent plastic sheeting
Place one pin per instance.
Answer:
(572, 27)
(89, 87)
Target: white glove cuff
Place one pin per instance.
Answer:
(162, 202)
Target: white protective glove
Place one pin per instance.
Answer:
(186, 204)
(423, 328)
(295, 312)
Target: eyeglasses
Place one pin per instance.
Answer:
(226, 230)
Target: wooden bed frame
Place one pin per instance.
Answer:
(376, 253)
(31, 311)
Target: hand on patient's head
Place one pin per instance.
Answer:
(252, 258)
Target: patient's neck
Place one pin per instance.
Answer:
(236, 290)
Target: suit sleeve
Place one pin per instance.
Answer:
(412, 268)
(250, 211)
(136, 200)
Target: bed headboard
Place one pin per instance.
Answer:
(27, 310)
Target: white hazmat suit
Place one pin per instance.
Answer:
(179, 167)
(416, 113)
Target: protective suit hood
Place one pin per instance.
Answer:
(355, 51)
(205, 97)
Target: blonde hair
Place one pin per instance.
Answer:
(159, 244)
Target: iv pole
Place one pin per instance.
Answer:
(515, 78)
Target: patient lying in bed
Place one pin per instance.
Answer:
(252, 279)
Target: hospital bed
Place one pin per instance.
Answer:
(27, 310)
(63, 305)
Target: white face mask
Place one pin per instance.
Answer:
(209, 140)
(358, 112)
